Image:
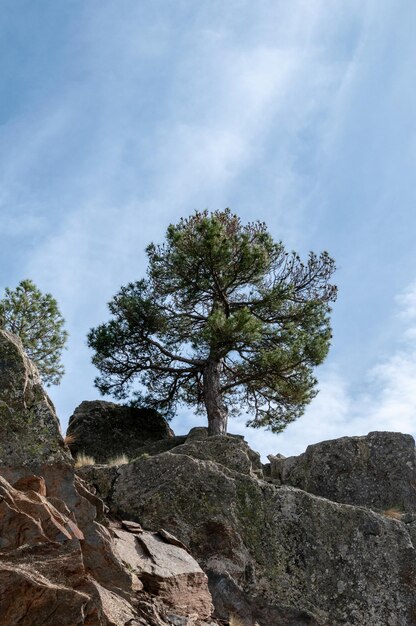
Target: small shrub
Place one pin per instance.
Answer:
(83, 459)
(122, 459)
(394, 512)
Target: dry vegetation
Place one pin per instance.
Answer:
(68, 439)
(122, 459)
(394, 513)
(83, 459)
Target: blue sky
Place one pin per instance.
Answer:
(117, 118)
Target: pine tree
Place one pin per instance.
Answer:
(226, 320)
(36, 319)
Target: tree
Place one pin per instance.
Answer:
(36, 319)
(226, 319)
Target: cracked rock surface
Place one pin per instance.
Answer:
(61, 562)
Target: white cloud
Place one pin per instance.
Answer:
(125, 152)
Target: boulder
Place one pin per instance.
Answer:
(273, 554)
(167, 571)
(105, 430)
(377, 471)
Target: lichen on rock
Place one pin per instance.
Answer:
(287, 554)
(30, 437)
(104, 430)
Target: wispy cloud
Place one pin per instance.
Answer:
(164, 111)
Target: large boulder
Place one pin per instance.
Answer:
(377, 471)
(273, 554)
(105, 430)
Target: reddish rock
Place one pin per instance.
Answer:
(43, 580)
(166, 571)
(31, 483)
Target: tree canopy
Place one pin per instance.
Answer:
(226, 320)
(36, 319)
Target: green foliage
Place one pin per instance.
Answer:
(220, 292)
(35, 318)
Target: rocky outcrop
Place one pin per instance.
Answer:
(105, 430)
(30, 440)
(43, 577)
(377, 471)
(61, 558)
(230, 451)
(273, 554)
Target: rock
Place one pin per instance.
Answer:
(166, 571)
(197, 433)
(59, 563)
(105, 430)
(275, 467)
(31, 483)
(169, 538)
(231, 452)
(30, 439)
(230, 599)
(101, 476)
(293, 555)
(43, 580)
(377, 471)
(132, 527)
(156, 447)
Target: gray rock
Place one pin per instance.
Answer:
(156, 447)
(377, 471)
(30, 438)
(230, 599)
(197, 433)
(105, 430)
(274, 470)
(227, 450)
(303, 558)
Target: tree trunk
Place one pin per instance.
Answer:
(216, 409)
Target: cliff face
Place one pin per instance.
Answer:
(377, 471)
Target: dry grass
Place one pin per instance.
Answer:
(122, 459)
(235, 621)
(83, 459)
(68, 439)
(394, 513)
